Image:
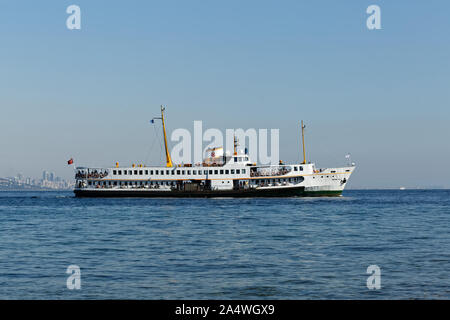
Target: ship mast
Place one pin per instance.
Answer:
(303, 143)
(168, 159)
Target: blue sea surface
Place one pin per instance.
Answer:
(287, 248)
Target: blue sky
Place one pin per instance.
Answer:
(382, 95)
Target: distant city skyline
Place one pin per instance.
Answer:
(49, 180)
(88, 94)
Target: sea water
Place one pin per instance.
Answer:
(286, 248)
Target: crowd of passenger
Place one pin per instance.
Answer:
(266, 172)
(267, 183)
(93, 174)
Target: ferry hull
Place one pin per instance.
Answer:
(242, 193)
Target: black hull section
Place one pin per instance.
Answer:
(242, 193)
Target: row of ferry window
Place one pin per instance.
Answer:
(173, 183)
(178, 172)
(259, 181)
(131, 183)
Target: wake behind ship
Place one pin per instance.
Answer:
(219, 175)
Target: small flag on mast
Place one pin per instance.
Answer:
(70, 161)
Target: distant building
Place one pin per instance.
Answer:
(49, 181)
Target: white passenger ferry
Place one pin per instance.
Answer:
(220, 175)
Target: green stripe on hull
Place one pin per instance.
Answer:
(324, 193)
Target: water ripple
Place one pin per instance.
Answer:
(297, 248)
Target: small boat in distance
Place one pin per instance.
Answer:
(219, 175)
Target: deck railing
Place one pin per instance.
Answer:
(269, 172)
